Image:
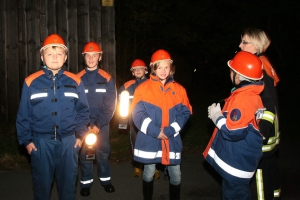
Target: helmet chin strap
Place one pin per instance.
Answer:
(44, 65)
(234, 76)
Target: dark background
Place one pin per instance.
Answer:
(203, 36)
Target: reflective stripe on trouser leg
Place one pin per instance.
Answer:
(277, 193)
(102, 156)
(86, 169)
(259, 185)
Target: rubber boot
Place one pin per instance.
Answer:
(147, 190)
(157, 174)
(137, 172)
(174, 191)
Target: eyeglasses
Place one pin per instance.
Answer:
(92, 55)
(244, 42)
(137, 69)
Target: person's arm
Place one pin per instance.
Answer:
(109, 107)
(83, 113)
(23, 118)
(266, 124)
(238, 121)
(140, 116)
(185, 111)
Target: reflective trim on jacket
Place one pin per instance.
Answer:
(52, 103)
(156, 106)
(234, 149)
(100, 90)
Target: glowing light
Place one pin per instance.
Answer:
(90, 139)
(124, 103)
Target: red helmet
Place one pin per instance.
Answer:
(160, 55)
(92, 47)
(138, 63)
(54, 40)
(247, 65)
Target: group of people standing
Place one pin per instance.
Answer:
(58, 108)
(246, 136)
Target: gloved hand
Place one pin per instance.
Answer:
(214, 112)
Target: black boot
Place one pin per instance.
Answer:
(147, 190)
(174, 191)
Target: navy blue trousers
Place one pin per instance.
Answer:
(56, 158)
(234, 191)
(102, 159)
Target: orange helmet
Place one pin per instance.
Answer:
(160, 55)
(138, 63)
(247, 65)
(92, 47)
(54, 40)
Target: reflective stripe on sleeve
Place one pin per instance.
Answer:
(269, 116)
(176, 126)
(269, 147)
(221, 122)
(145, 125)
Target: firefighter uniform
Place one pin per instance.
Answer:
(101, 94)
(130, 86)
(267, 177)
(234, 149)
(160, 109)
(53, 112)
(150, 114)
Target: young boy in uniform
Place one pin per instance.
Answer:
(235, 147)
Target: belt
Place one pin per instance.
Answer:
(51, 136)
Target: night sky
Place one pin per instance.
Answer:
(203, 36)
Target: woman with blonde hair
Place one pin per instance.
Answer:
(256, 41)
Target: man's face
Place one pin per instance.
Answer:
(138, 72)
(54, 58)
(91, 60)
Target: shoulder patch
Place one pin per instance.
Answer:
(80, 74)
(128, 84)
(235, 114)
(259, 113)
(106, 75)
(33, 76)
(73, 76)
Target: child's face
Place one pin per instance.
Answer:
(54, 58)
(163, 70)
(138, 72)
(91, 60)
